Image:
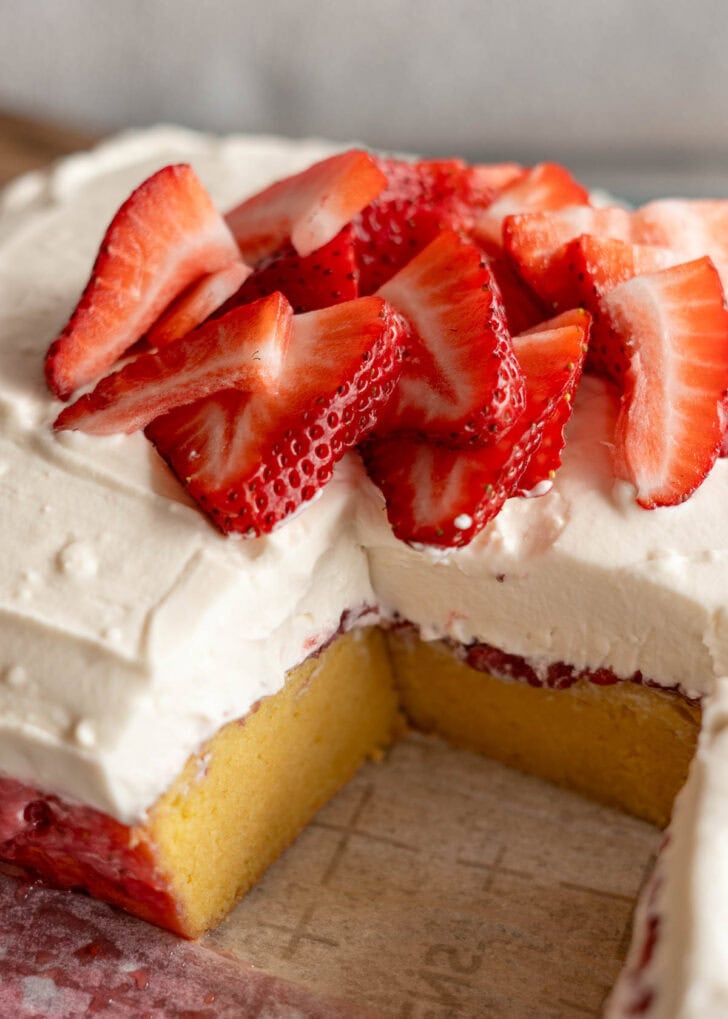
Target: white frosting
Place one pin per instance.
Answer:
(130, 630)
(686, 975)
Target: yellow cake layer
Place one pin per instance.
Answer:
(254, 786)
(625, 745)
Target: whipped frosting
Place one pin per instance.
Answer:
(677, 966)
(130, 631)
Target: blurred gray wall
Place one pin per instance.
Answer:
(605, 84)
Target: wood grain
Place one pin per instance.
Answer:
(27, 144)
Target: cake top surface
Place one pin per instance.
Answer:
(124, 613)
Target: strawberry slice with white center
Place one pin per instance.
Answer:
(496, 177)
(531, 239)
(444, 497)
(329, 276)
(583, 272)
(694, 228)
(308, 209)
(244, 349)
(543, 188)
(252, 460)
(674, 324)
(552, 358)
(163, 238)
(461, 384)
(197, 303)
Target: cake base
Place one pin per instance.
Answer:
(265, 777)
(625, 744)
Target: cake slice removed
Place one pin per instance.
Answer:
(232, 810)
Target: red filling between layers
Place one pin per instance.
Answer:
(73, 846)
(554, 676)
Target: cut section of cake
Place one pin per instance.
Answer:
(235, 806)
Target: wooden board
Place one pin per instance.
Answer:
(27, 144)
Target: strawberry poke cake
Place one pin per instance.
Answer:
(332, 444)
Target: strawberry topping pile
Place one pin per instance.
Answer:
(436, 316)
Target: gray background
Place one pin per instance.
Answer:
(634, 94)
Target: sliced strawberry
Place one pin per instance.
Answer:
(694, 228)
(531, 239)
(723, 410)
(545, 187)
(444, 497)
(420, 200)
(163, 238)
(328, 276)
(583, 272)
(522, 306)
(387, 240)
(252, 460)
(552, 358)
(309, 208)
(461, 384)
(449, 187)
(496, 177)
(197, 303)
(674, 324)
(244, 349)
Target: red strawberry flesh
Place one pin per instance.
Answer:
(308, 209)
(163, 238)
(460, 384)
(674, 325)
(523, 308)
(552, 358)
(583, 272)
(244, 350)
(444, 497)
(421, 199)
(197, 303)
(329, 276)
(252, 460)
(693, 228)
(545, 187)
(531, 239)
(495, 177)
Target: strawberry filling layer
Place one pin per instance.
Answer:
(73, 846)
(549, 675)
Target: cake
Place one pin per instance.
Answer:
(176, 704)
